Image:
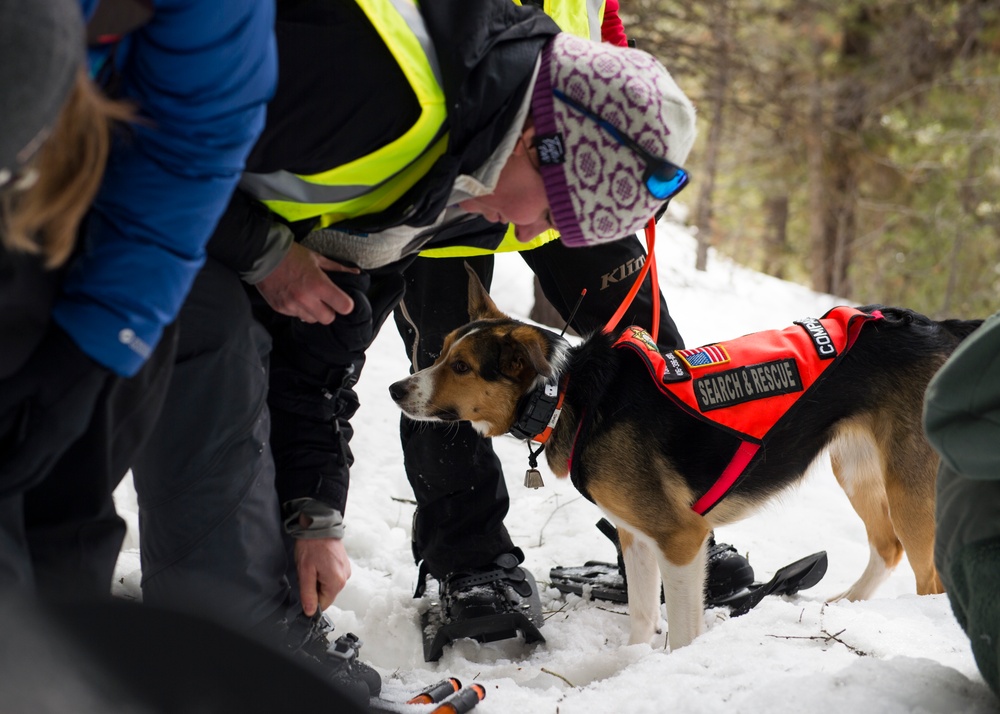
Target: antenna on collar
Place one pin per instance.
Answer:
(572, 312)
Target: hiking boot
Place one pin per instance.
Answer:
(495, 602)
(729, 573)
(306, 640)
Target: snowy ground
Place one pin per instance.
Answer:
(895, 653)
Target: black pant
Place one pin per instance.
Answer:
(210, 532)
(258, 412)
(74, 532)
(456, 476)
(63, 536)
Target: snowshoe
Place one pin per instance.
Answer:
(497, 602)
(800, 575)
(729, 573)
(730, 581)
(603, 581)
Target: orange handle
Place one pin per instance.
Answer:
(437, 692)
(462, 701)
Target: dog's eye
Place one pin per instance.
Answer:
(460, 367)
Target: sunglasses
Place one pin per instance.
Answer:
(663, 179)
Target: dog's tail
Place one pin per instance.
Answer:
(899, 316)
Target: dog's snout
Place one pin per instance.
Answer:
(398, 390)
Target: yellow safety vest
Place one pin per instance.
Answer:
(372, 183)
(579, 21)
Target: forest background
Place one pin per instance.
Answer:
(850, 146)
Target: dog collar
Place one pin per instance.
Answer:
(541, 411)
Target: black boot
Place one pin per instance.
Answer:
(729, 573)
(306, 640)
(494, 602)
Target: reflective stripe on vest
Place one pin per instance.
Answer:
(582, 18)
(373, 182)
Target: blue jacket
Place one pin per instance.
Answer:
(200, 73)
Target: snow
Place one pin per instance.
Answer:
(897, 652)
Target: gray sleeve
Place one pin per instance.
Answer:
(279, 240)
(321, 520)
(368, 250)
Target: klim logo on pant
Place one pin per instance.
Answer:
(625, 270)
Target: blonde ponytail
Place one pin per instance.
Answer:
(44, 217)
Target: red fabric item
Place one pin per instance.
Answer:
(749, 383)
(612, 29)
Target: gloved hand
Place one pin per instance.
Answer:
(44, 408)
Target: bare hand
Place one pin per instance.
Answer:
(323, 568)
(300, 288)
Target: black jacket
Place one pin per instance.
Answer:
(340, 96)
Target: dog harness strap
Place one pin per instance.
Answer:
(741, 459)
(649, 266)
(506, 571)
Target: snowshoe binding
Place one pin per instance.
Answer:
(307, 640)
(487, 604)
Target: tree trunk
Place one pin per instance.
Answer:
(776, 238)
(718, 93)
(849, 111)
(818, 255)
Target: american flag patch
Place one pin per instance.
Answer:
(704, 356)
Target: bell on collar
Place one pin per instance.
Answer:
(533, 479)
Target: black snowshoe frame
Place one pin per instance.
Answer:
(606, 581)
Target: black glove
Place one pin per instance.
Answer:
(44, 408)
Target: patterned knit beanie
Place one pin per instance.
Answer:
(594, 183)
(41, 49)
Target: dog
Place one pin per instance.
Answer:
(672, 446)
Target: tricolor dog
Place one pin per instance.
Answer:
(671, 446)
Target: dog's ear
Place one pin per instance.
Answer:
(524, 349)
(481, 305)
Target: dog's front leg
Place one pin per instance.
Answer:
(643, 587)
(684, 594)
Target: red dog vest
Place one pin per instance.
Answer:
(747, 385)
